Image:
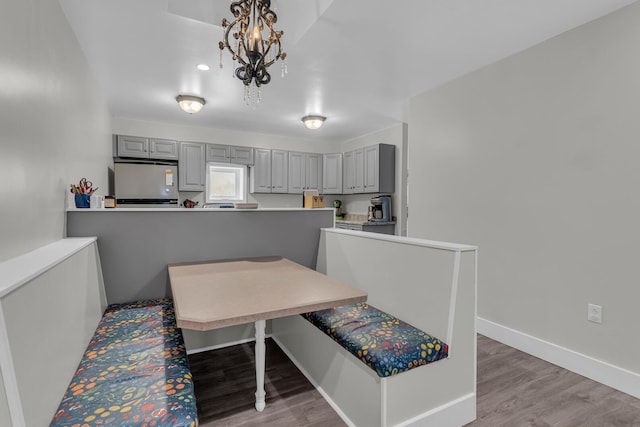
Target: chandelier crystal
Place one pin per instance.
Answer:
(254, 44)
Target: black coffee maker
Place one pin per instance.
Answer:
(380, 209)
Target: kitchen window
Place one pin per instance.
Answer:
(226, 183)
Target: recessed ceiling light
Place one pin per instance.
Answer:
(203, 67)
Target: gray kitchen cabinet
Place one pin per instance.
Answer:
(133, 146)
(269, 173)
(353, 172)
(163, 149)
(305, 172)
(332, 173)
(218, 153)
(358, 183)
(147, 148)
(296, 179)
(370, 169)
(381, 228)
(229, 154)
(348, 172)
(191, 166)
(279, 171)
(313, 170)
(379, 168)
(242, 155)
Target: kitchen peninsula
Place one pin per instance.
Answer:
(136, 246)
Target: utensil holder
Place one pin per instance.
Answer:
(82, 200)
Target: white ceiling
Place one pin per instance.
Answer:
(358, 62)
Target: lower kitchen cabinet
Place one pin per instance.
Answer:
(191, 166)
(382, 228)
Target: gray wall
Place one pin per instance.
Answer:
(136, 246)
(535, 159)
(54, 124)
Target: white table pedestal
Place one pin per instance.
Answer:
(260, 365)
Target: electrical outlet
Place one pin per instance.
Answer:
(594, 313)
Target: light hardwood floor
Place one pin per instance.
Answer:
(514, 389)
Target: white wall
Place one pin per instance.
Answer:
(535, 159)
(359, 203)
(54, 124)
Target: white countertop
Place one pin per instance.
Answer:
(196, 210)
(359, 222)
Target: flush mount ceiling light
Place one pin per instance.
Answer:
(190, 104)
(313, 122)
(255, 45)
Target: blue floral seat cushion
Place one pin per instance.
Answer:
(135, 372)
(383, 342)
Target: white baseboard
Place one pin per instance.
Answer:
(597, 370)
(452, 414)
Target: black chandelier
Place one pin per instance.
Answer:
(255, 45)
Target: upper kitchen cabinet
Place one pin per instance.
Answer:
(191, 166)
(370, 170)
(305, 172)
(380, 168)
(242, 155)
(353, 172)
(229, 154)
(270, 171)
(147, 148)
(218, 153)
(332, 173)
(163, 149)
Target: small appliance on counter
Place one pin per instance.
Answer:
(337, 204)
(146, 185)
(380, 209)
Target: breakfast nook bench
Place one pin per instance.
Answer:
(383, 342)
(135, 372)
(400, 376)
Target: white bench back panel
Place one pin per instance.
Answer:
(410, 281)
(49, 318)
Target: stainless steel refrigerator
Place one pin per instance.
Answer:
(144, 185)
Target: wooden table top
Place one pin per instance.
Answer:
(217, 294)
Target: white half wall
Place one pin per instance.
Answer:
(54, 124)
(535, 160)
(51, 300)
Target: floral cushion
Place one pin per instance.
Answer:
(135, 372)
(383, 342)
